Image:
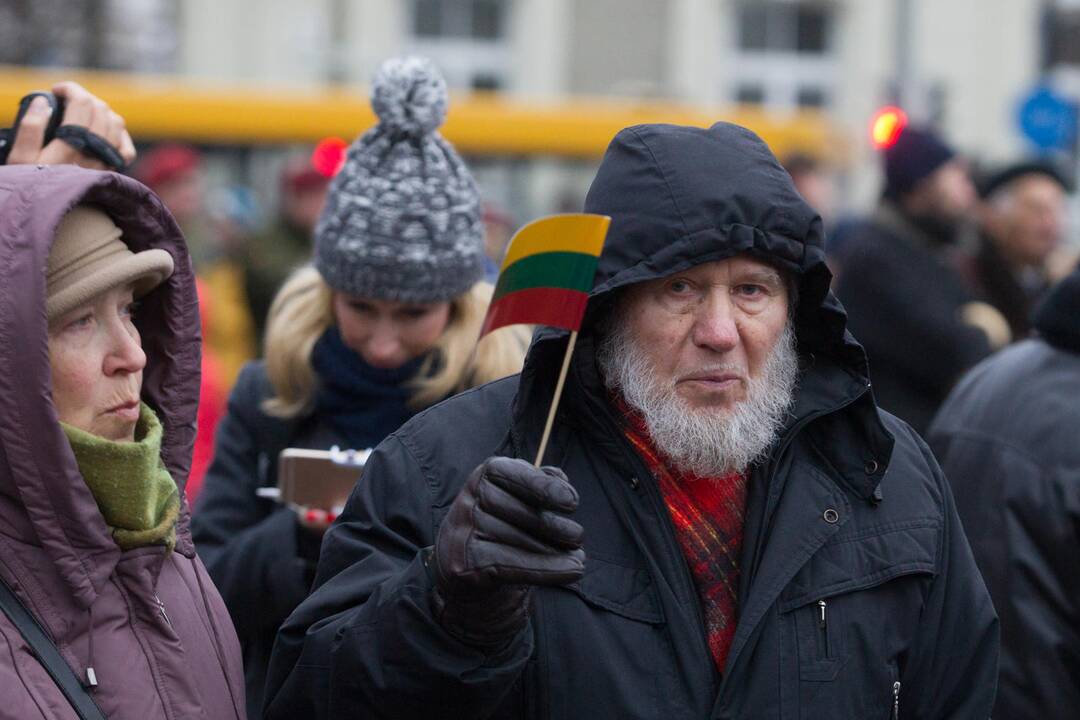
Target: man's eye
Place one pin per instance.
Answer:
(130, 309)
(679, 287)
(750, 291)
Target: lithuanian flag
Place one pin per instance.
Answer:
(548, 272)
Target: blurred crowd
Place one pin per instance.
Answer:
(356, 305)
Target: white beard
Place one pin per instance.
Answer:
(709, 442)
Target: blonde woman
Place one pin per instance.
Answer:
(383, 325)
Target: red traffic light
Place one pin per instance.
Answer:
(887, 125)
(328, 156)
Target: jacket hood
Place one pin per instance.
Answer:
(681, 196)
(40, 484)
(1057, 318)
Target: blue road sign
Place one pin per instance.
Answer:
(1047, 119)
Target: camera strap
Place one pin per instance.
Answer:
(92, 144)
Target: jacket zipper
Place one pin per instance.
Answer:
(896, 700)
(823, 623)
(161, 607)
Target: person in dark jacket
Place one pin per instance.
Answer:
(1007, 439)
(905, 300)
(730, 527)
(382, 326)
(1021, 222)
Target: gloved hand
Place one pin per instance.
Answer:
(506, 531)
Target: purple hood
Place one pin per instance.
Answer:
(40, 484)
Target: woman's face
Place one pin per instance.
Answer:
(388, 334)
(97, 362)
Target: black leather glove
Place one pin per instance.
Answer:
(506, 531)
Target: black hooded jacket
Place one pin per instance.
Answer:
(1009, 439)
(849, 508)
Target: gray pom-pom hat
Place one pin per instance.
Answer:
(402, 217)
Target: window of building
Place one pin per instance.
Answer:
(779, 26)
(811, 97)
(782, 53)
(467, 39)
(475, 19)
(750, 94)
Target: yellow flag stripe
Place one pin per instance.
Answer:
(576, 232)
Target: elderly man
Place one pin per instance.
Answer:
(733, 529)
(1022, 220)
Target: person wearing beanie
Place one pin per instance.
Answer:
(1007, 440)
(98, 399)
(382, 325)
(1018, 253)
(905, 298)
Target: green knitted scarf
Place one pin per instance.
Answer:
(133, 490)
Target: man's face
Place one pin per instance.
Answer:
(708, 330)
(707, 356)
(946, 194)
(1028, 221)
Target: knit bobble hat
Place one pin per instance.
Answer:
(915, 155)
(402, 217)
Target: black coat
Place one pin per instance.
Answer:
(1009, 441)
(260, 559)
(904, 296)
(850, 508)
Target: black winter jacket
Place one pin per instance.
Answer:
(260, 559)
(904, 297)
(1009, 439)
(848, 518)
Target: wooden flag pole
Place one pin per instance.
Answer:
(555, 400)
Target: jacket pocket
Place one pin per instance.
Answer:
(618, 588)
(821, 646)
(849, 614)
(613, 613)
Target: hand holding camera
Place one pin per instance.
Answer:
(67, 126)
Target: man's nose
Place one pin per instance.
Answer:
(125, 352)
(714, 326)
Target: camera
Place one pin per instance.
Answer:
(7, 135)
(81, 138)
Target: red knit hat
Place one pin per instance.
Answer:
(167, 162)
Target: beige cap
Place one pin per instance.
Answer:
(88, 257)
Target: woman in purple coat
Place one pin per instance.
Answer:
(99, 384)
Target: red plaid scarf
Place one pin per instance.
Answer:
(708, 516)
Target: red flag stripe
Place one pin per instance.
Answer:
(557, 307)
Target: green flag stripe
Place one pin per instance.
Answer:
(567, 270)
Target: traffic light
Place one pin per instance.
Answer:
(887, 125)
(328, 156)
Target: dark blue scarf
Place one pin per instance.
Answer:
(361, 402)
